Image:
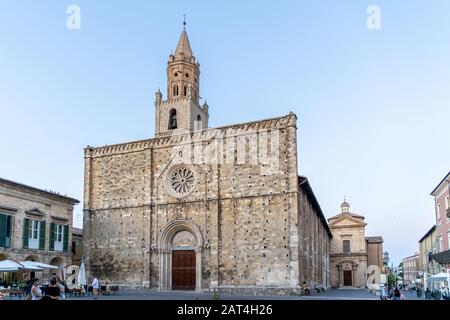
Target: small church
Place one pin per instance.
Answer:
(353, 256)
(200, 208)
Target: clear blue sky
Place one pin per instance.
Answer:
(373, 107)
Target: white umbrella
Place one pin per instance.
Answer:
(82, 276)
(438, 280)
(10, 266)
(38, 265)
(29, 265)
(440, 277)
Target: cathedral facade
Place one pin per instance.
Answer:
(199, 208)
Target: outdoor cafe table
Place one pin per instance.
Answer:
(13, 292)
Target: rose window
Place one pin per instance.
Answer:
(182, 181)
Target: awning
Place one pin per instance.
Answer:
(441, 257)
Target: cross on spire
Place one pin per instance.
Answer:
(184, 21)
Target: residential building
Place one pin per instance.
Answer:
(428, 246)
(35, 224)
(441, 196)
(411, 268)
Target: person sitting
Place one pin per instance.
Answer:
(397, 294)
(106, 289)
(306, 290)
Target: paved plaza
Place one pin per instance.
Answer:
(332, 294)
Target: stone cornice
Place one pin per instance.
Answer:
(60, 218)
(153, 205)
(348, 255)
(175, 100)
(37, 191)
(357, 222)
(179, 138)
(35, 213)
(7, 209)
(348, 227)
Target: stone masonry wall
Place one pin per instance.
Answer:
(248, 219)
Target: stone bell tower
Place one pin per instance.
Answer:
(181, 111)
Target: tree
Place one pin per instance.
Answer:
(391, 280)
(400, 270)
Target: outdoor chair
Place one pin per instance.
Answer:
(114, 289)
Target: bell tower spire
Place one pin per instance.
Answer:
(183, 70)
(182, 109)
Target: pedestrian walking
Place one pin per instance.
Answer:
(385, 293)
(95, 287)
(53, 291)
(36, 293)
(62, 289)
(445, 294)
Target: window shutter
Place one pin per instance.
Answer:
(26, 232)
(9, 224)
(42, 236)
(51, 246)
(66, 238)
(3, 230)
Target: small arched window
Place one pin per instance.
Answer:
(185, 91)
(175, 90)
(198, 123)
(172, 119)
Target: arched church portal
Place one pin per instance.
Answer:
(347, 271)
(180, 257)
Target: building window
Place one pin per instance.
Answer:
(173, 119)
(33, 239)
(185, 90)
(447, 203)
(448, 240)
(440, 244)
(198, 123)
(438, 213)
(5, 230)
(59, 238)
(346, 246)
(175, 90)
(74, 247)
